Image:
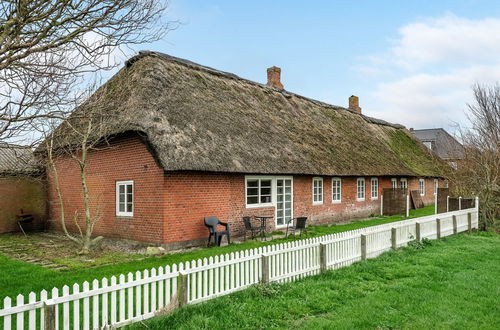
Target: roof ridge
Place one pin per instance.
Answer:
(284, 92)
(12, 145)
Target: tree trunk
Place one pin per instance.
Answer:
(55, 175)
(88, 218)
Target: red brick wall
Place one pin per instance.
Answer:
(329, 211)
(170, 207)
(191, 196)
(428, 197)
(127, 159)
(21, 193)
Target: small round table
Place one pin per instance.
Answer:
(263, 223)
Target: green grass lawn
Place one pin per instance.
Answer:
(453, 283)
(18, 277)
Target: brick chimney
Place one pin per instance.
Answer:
(354, 103)
(274, 77)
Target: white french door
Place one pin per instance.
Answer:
(284, 201)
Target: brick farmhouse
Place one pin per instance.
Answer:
(185, 141)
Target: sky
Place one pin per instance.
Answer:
(410, 62)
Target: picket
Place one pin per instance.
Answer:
(135, 298)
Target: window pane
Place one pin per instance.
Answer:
(265, 183)
(129, 189)
(252, 183)
(252, 199)
(265, 199)
(129, 207)
(121, 207)
(265, 191)
(252, 191)
(121, 189)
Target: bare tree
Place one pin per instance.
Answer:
(86, 130)
(479, 172)
(47, 47)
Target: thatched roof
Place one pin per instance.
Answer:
(201, 119)
(17, 160)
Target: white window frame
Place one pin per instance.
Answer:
(360, 199)
(405, 180)
(117, 193)
(436, 186)
(394, 183)
(259, 204)
(339, 180)
(374, 197)
(320, 180)
(421, 187)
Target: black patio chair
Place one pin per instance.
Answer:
(249, 227)
(300, 224)
(212, 223)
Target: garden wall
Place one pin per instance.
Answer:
(21, 195)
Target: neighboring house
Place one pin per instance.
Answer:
(442, 143)
(187, 141)
(21, 187)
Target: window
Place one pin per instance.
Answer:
(336, 190)
(259, 192)
(394, 183)
(374, 187)
(125, 198)
(361, 189)
(317, 191)
(404, 183)
(421, 187)
(436, 185)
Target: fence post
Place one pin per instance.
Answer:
(49, 311)
(417, 231)
(265, 269)
(182, 289)
(447, 203)
(455, 227)
(477, 203)
(394, 242)
(460, 202)
(438, 228)
(382, 205)
(322, 257)
(363, 247)
(469, 222)
(436, 203)
(407, 205)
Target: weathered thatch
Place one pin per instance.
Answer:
(17, 160)
(198, 118)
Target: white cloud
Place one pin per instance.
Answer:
(426, 76)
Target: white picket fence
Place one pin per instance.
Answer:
(127, 299)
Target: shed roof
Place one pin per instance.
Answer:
(17, 160)
(200, 119)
